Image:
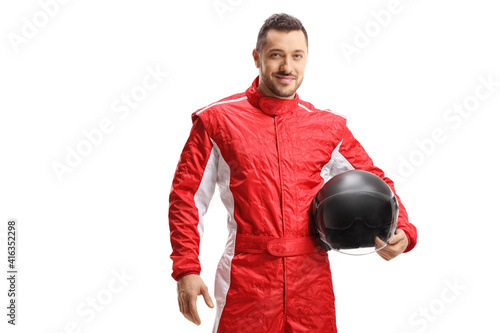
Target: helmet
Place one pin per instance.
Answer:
(351, 209)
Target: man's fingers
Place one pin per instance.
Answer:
(184, 300)
(384, 255)
(398, 237)
(188, 316)
(206, 297)
(395, 246)
(181, 306)
(378, 242)
(189, 288)
(193, 311)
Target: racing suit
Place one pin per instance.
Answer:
(269, 158)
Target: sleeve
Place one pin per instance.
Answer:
(356, 155)
(192, 189)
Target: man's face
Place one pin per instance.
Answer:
(281, 63)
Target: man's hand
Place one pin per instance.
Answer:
(396, 245)
(188, 289)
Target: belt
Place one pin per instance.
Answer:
(279, 247)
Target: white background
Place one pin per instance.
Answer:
(108, 215)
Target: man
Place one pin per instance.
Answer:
(269, 152)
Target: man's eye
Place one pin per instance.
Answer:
(298, 56)
(275, 55)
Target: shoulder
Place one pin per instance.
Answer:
(326, 114)
(236, 100)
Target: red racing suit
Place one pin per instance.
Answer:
(269, 158)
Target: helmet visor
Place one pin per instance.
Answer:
(352, 220)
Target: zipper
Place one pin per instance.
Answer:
(282, 210)
(280, 176)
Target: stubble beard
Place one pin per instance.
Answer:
(284, 93)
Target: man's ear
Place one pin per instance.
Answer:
(256, 58)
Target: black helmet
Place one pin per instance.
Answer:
(351, 209)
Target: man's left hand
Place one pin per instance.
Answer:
(396, 245)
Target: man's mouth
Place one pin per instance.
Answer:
(285, 78)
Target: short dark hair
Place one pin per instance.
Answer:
(281, 22)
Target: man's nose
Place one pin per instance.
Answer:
(285, 65)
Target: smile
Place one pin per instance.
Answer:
(285, 78)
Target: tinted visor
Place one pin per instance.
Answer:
(352, 220)
(373, 209)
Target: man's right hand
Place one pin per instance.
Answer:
(188, 289)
